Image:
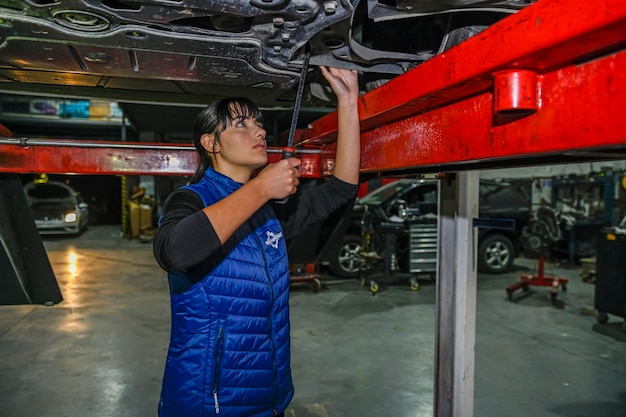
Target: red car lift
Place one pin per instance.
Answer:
(542, 86)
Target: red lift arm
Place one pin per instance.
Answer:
(541, 86)
(544, 82)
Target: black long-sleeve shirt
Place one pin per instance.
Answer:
(186, 237)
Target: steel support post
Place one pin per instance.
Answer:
(456, 296)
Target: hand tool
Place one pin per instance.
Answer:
(290, 151)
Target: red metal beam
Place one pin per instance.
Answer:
(545, 37)
(460, 110)
(118, 158)
(581, 111)
(440, 115)
(96, 157)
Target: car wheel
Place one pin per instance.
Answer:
(495, 254)
(349, 261)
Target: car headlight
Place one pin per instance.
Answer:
(70, 217)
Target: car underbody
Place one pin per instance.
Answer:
(189, 52)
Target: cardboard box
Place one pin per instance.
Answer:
(45, 106)
(99, 109)
(74, 109)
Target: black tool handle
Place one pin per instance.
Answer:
(287, 153)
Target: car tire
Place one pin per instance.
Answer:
(495, 254)
(348, 262)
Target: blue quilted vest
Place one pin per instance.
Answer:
(229, 348)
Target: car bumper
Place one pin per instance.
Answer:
(57, 227)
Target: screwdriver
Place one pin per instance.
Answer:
(290, 151)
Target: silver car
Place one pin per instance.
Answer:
(57, 208)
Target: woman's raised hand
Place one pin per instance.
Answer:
(344, 82)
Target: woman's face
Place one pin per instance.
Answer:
(242, 144)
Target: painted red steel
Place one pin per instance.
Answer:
(440, 116)
(94, 157)
(581, 111)
(544, 37)
(515, 91)
(98, 160)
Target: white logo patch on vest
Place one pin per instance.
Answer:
(273, 238)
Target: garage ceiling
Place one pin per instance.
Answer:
(149, 122)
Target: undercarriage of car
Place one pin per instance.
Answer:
(188, 52)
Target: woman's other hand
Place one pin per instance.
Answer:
(280, 179)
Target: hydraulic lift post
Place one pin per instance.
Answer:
(542, 86)
(455, 324)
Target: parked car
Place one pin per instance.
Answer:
(57, 208)
(412, 204)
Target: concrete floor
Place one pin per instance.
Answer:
(100, 352)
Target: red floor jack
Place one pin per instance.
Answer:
(540, 280)
(305, 274)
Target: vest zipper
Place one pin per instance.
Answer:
(217, 404)
(270, 321)
(217, 360)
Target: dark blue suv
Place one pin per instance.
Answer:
(413, 203)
